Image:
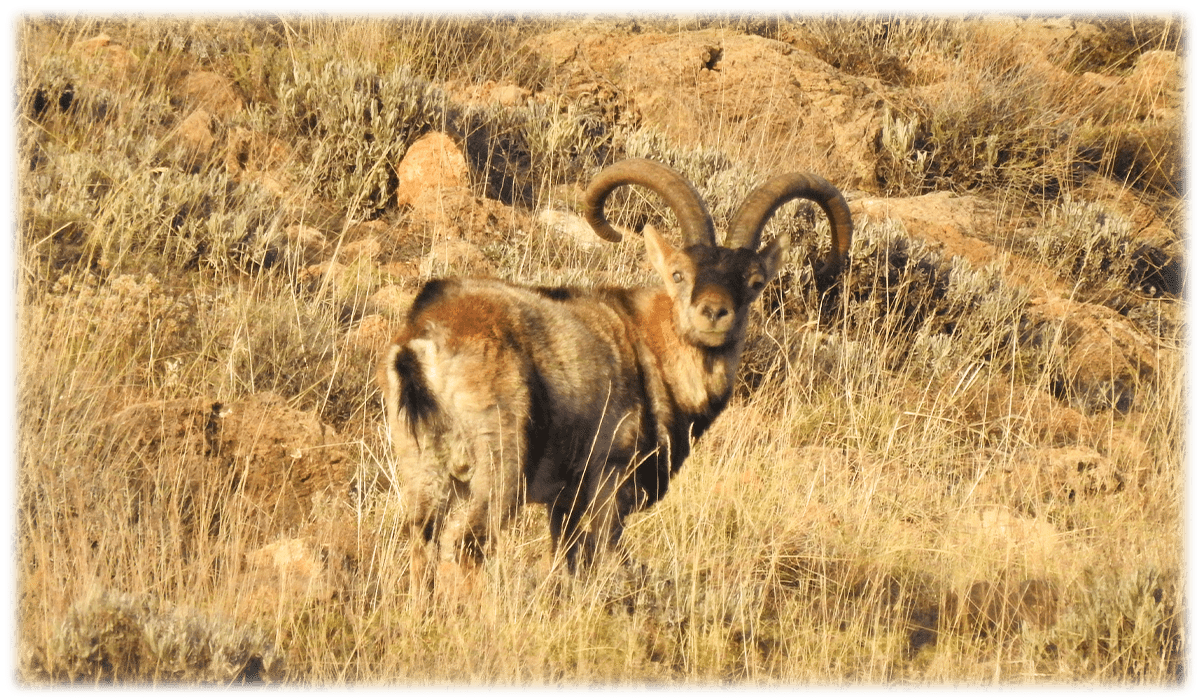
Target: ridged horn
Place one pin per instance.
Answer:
(747, 224)
(695, 222)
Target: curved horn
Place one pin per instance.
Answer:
(747, 224)
(695, 222)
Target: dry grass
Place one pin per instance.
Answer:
(879, 505)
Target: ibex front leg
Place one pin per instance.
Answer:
(586, 523)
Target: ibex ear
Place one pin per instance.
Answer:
(774, 253)
(659, 251)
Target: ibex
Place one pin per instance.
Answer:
(585, 400)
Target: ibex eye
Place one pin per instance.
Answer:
(755, 284)
(678, 277)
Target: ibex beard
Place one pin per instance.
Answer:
(584, 400)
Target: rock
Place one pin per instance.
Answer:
(115, 63)
(195, 135)
(445, 213)
(310, 242)
(318, 562)
(570, 227)
(338, 277)
(434, 187)
(368, 248)
(402, 269)
(453, 257)
(361, 230)
(212, 92)
(392, 300)
(456, 214)
(255, 461)
(294, 570)
(1101, 357)
(433, 166)
(1003, 534)
(372, 334)
(509, 95)
(252, 155)
(487, 93)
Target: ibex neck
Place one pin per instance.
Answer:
(699, 380)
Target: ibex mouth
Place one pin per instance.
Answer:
(711, 338)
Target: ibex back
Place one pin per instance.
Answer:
(585, 400)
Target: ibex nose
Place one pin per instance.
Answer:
(714, 312)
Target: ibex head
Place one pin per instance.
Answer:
(713, 286)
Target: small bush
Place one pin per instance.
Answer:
(991, 133)
(1122, 40)
(1098, 250)
(116, 638)
(888, 48)
(356, 125)
(474, 49)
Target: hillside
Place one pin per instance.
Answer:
(963, 463)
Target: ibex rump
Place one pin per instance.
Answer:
(586, 401)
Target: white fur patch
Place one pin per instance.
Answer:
(426, 353)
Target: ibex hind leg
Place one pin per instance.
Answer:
(488, 496)
(424, 498)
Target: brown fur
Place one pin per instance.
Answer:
(586, 401)
(559, 401)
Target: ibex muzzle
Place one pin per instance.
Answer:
(585, 400)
